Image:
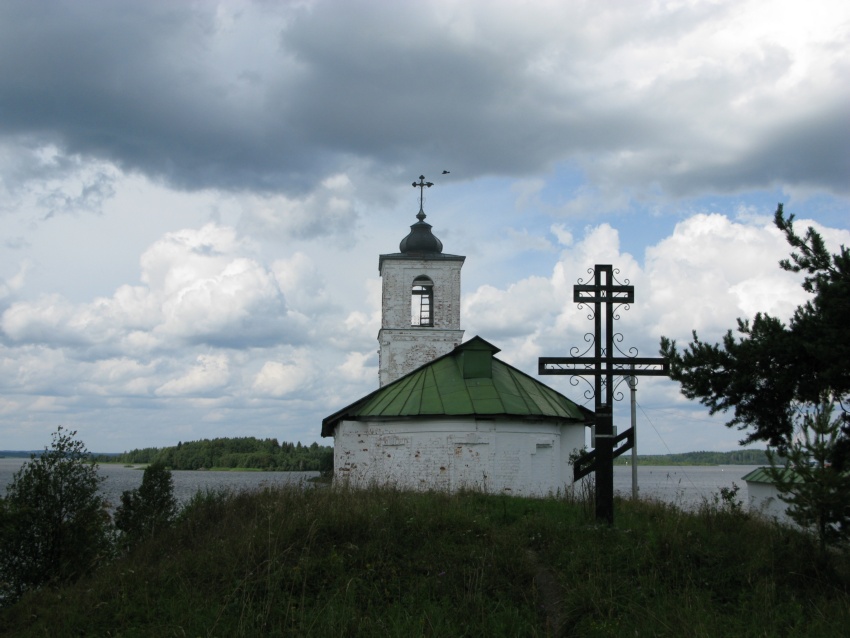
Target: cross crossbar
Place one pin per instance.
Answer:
(585, 365)
(603, 294)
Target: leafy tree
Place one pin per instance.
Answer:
(149, 508)
(53, 522)
(816, 491)
(770, 371)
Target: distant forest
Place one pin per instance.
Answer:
(231, 453)
(738, 457)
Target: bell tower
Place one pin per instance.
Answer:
(420, 305)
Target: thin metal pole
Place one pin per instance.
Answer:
(633, 386)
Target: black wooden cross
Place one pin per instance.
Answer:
(604, 366)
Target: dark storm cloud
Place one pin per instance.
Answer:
(815, 154)
(129, 82)
(278, 97)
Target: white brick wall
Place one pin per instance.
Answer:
(496, 456)
(402, 351)
(402, 347)
(397, 277)
(764, 499)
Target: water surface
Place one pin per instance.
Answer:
(120, 478)
(685, 486)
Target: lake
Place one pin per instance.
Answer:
(186, 483)
(684, 486)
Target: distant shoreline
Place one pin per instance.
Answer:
(654, 463)
(737, 457)
(682, 459)
(142, 466)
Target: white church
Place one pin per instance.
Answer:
(449, 415)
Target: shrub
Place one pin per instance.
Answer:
(149, 508)
(55, 526)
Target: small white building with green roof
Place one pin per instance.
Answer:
(763, 497)
(449, 415)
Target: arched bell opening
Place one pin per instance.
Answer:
(422, 302)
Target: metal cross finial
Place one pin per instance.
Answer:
(422, 184)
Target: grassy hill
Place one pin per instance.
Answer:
(331, 562)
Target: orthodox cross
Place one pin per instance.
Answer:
(422, 184)
(604, 366)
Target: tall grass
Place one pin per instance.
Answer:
(381, 562)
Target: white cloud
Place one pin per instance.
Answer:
(13, 283)
(121, 376)
(46, 181)
(36, 369)
(564, 236)
(48, 319)
(199, 288)
(278, 379)
(495, 313)
(210, 374)
(359, 367)
(226, 306)
(712, 270)
(303, 284)
(329, 210)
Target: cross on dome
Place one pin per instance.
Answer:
(422, 184)
(421, 240)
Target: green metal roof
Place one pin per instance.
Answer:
(761, 475)
(468, 381)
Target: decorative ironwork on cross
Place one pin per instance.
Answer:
(604, 365)
(422, 185)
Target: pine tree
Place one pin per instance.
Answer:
(816, 490)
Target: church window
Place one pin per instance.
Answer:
(422, 302)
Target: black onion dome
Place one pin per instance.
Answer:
(420, 239)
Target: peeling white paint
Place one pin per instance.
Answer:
(496, 456)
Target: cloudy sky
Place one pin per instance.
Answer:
(194, 195)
